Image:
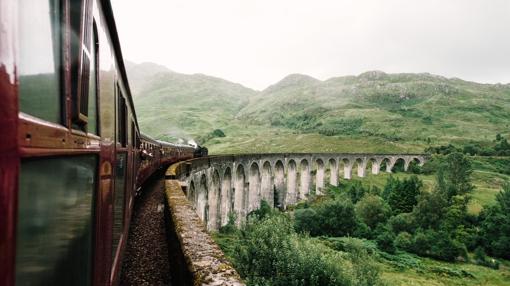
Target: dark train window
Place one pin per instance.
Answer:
(118, 203)
(56, 221)
(121, 118)
(92, 90)
(133, 134)
(40, 58)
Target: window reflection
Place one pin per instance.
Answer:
(118, 204)
(55, 221)
(40, 58)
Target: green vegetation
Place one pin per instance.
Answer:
(422, 236)
(500, 147)
(372, 112)
(268, 251)
(447, 223)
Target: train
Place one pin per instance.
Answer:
(72, 155)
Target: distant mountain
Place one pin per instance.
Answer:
(172, 105)
(394, 110)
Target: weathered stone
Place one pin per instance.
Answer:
(219, 185)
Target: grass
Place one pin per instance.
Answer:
(433, 272)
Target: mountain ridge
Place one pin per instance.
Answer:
(401, 109)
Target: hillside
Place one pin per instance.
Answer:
(171, 105)
(396, 112)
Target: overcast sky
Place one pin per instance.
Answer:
(258, 42)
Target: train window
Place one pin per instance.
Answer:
(121, 118)
(118, 203)
(40, 59)
(55, 221)
(92, 90)
(84, 77)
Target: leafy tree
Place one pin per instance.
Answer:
(403, 197)
(437, 244)
(494, 232)
(356, 191)
(307, 220)
(337, 218)
(372, 210)
(392, 183)
(404, 241)
(454, 177)
(385, 241)
(430, 209)
(445, 248)
(403, 222)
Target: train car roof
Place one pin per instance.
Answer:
(148, 138)
(174, 144)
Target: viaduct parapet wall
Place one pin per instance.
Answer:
(217, 186)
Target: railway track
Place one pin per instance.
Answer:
(146, 260)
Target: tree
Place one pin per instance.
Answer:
(456, 173)
(372, 210)
(337, 218)
(404, 195)
(430, 209)
(494, 233)
(385, 241)
(307, 220)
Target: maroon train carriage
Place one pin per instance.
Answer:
(71, 152)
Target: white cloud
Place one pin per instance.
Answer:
(257, 42)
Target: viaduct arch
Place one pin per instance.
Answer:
(219, 186)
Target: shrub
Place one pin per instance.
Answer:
(230, 227)
(445, 248)
(372, 210)
(334, 217)
(306, 220)
(404, 241)
(272, 254)
(438, 245)
(337, 218)
(482, 259)
(403, 222)
(385, 242)
(356, 191)
(421, 243)
(262, 212)
(365, 272)
(430, 210)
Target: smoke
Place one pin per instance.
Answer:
(192, 143)
(178, 136)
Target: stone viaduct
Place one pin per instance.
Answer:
(220, 185)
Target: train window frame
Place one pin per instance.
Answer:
(82, 23)
(95, 93)
(118, 238)
(121, 118)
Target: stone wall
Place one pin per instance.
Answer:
(204, 262)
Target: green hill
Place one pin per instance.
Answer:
(396, 112)
(171, 105)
